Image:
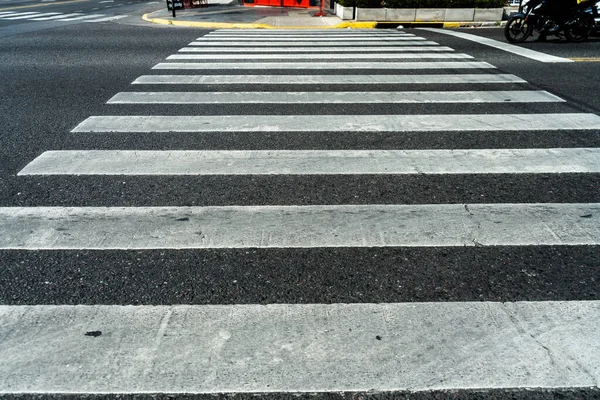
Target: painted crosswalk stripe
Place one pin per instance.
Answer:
(106, 19)
(327, 65)
(299, 348)
(31, 16)
(409, 42)
(56, 17)
(20, 14)
(521, 51)
(312, 39)
(319, 226)
(84, 17)
(341, 123)
(498, 96)
(304, 36)
(352, 49)
(280, 31)
(327, 79)
(319, 56)
(315, 162)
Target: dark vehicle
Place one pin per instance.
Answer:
(542, 16)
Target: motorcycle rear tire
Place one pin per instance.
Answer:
(579, 30)
(517, 29)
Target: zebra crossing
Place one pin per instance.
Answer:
(57, 17)
(296, 347)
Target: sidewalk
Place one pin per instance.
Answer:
(230, 14)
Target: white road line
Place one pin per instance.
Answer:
(282, 66)
(56, 17)
(312, 49)
(30, 16)
(305, 36)
(521, 96)
(106, 19)
(326, 79)
(84, 17)
(20, 14)
(341, 123)
(120, 228)
(408, 42)
(312, 39)
(299, 348)
(5, 13)
(315, 162)
(281, 31)
(521, 51)
(320, 56)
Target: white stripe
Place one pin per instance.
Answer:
(30, 16)
(329, 79)
(298, 30)
(3, 13)
(341, 123)
(20, 14)
(104, 228)
(106, 19)
(56, 17)
(313, 39)
(314, 162)
(352, 49)
(524, 96)
(84, 17)
(327, 65)
(306, 36)
(319, 56)
(408, 42)
(521, 51)
(299, 348)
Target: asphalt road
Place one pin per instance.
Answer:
(55, 78)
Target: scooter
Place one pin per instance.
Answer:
(533, 16)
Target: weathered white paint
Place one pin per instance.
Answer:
(312, 50)
(404, 41)
(521, 51)
(299, 347)
(310, 162)
(498, 96)
(56, 17)
(319, 56)
(302, 38)
(30, 16)
(327, 79)
(19, 14)
(83, 17)
(341, 123)
(104, 228)
(335, 65)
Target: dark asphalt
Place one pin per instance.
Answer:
(60, 77)
(56, 78)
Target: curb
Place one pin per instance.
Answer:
(343, 25)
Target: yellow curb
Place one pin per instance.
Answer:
(452, 25)
(585, 59)
(41, 5)
(356, 25)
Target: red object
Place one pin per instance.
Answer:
(320, 13)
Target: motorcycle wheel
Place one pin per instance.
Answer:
(578, 30)
(517, 30)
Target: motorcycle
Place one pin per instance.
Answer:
(534, 15)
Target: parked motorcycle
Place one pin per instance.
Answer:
(535, 16)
